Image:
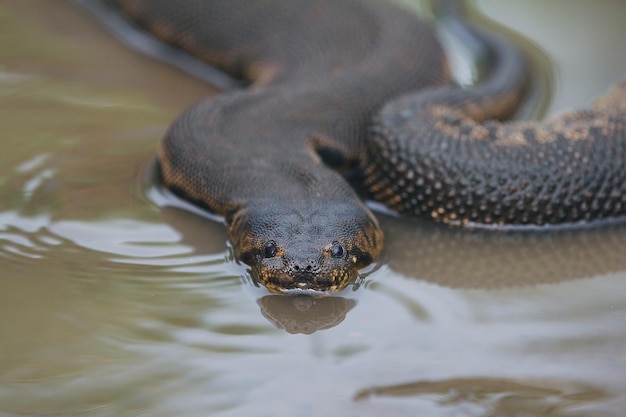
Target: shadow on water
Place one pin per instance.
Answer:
(304, 314)
(497, 396)
(500, 259)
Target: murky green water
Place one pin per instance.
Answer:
(114, 306)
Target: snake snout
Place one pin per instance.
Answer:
(303, 270)
(314, 274)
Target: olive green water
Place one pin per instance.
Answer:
(115, 303)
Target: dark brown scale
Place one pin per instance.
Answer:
(320, 71)
(569, 169)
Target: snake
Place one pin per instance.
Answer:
(352, 100)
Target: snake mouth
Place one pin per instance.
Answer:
(281, 282)
(306, 291)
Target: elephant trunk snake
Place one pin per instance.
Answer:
(363, 86)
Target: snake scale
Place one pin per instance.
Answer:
(362, 89)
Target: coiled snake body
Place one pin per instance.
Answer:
(338, 87)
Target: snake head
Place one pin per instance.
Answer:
(304, 247)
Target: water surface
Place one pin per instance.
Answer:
(116, 304)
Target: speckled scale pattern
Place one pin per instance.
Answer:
(438, 163)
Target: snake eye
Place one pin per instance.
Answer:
(270, 249)
(337, 250)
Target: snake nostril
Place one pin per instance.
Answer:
(303, 267)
